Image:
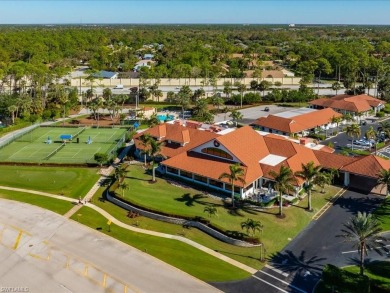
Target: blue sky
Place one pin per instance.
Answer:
(195, 11)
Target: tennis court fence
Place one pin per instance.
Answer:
(18, 135)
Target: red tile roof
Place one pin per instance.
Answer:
(368, 166)
(175, 134)
(298, 123)
(359, 103)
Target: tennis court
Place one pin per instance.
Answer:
(44, 145)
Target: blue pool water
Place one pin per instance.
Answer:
(165, 117)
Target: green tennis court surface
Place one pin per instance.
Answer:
(34, 147)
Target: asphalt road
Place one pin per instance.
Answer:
(298, 266)
(45, 252)
(343, 140)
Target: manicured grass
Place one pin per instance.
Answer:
(377, 271)
(191, 260)
(55, 205)
(383, 214)
(164, 197)
(71, 182)
(245, 255)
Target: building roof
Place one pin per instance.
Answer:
(333, 160)
(359, 103)
(298, 123)
(368, 166)
(105, 74)
(272, 74)
(177, 138)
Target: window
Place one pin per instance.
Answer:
(217, 152)
(172, 170)
(200, 178)
(215, 183)
(186, 174)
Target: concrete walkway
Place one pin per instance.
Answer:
(138, 230)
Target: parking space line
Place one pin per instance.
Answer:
(280, 289)
(353, 251)
(284, 282)
(276, 270)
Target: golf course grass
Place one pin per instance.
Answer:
(71, 182)
(191, 260)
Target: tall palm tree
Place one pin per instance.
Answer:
(123, 186)
(308, 173)
(236, 115)
(145, 138)
(336, 120)
(154, 150)
(284, 181)
(253, 225)
(322, 179)
(236, 173)
(364, 230)
(371, 134)
(384, 180)
(353, 131)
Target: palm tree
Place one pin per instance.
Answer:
(153, 151)
(364, 230)
(336, 120)
(253, 225)
(308, 173)
(284, 181)
(323, 179)
(371, 134)
(123, 186)
(384, 180)
(353, 131)
(120, 173)
(12, 109)
(145, 143)
(236, 115)
(236, 173)
(210, 210)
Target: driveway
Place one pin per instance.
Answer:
(41, 251)
(298, 266)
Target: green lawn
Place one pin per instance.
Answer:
(71, 182)
(248, 256)
(378, 272)
(191, 260)
(170, 199)
(383, 214)
(56, 205)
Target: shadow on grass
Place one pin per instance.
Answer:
(231, 253)
(190, 200)
(136, 178)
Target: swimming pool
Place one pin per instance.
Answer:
(165, 117)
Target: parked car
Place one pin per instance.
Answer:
(266, 109)
(363, 122)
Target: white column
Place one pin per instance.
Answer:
(346, 178)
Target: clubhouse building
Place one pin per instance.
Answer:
(201, 156)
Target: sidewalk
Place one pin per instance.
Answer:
(138, 230)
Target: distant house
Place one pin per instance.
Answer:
(359, 105)
(106, 74)
(148, 57)
(300, 121)
(142, 63)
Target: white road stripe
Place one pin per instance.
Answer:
(280, 289)
(353, 251)
(284, 282)
(276, 270)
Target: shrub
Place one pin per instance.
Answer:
(380, 114)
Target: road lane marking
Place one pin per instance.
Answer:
(284, 282)
(353, 251)
(277, 270)
(280, 289)
(329, 204)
